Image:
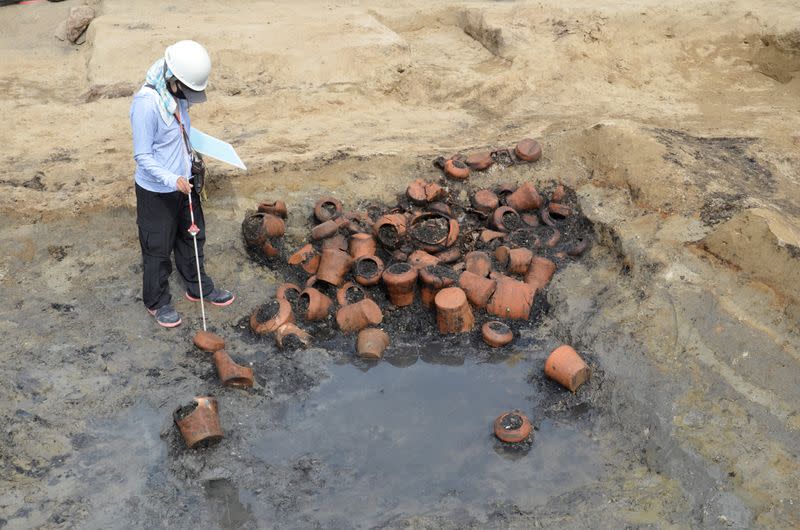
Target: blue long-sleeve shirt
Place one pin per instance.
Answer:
(158, 149)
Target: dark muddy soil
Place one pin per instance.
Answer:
(267, 310)
(367, 268)
(430, 231)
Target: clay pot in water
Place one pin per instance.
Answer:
(230, 373)
(479, 289)
(433, 232)
(307, 258)
(558, 212)
(422, 192)
(525, 198)
(512, 427)
(390, 229)
(326, 229)
(505, 219)
(540, 272)
(567, 368)
(496, 334)
(292, 337)
(453, 313)
(432, 279)
(513, 260)
(333, 266)
(371, 343)
(327, 208)
(512, 299)
(479, 161)
(355, 317)
(368, 270)
(362, 245)
(269, 317)
(419, 259)
(274, 207)
(487, 236)
(337, 241)
(316, 304)
(528, 150)
(400, 279)
(449, 255)
(478, 262)
(198, 421)
(456, 169)
(485, 201)
(208, 342)
(440, 207)
(350, 293)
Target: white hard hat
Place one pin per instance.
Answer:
(190, 63)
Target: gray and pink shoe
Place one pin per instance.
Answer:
(218, 297)
(166, 316)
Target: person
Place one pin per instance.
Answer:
(163, 179)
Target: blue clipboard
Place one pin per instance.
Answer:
(215, 148)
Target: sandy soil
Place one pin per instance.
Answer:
(676, 122)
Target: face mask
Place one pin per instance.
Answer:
(178, 93)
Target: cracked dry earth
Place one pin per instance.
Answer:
(675, 123)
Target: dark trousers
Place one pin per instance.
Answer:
(164, 221)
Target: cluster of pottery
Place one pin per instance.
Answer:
(458, 166)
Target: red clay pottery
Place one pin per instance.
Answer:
(311, 281)
(558, 194)
(355, 317)
(257, 227)
(512, 299)
(274, 207)
(490, 235)
(505, 189)
(350, 293)
(566, 367)
(208, 342)
(400, 279)
(456, 169)
(432, 279)
(539, 272)
(230, 373)
(453, 314)
(368, 270)
(291, 336)
(477, 288)
(496, 333)
(449, 255)
(327, 208)
(362, 245)
(485, 201)
(421, 192)
(325, 229)
(333, 266)
(316, 304)
(440, 207)
(513, 260)
(337, 241)
(282, 292)
(558, 211)
(307, 258)
(578, 248)
(478, 262)
(530, 219)
(480, 161)
(419, 259)
(390, 229)
(433, 231)
(528, 150)
(512, 427)
(525, 198)
(505, 219)
(199, 421)
(268, 317)
(371, 343)
(269, 250)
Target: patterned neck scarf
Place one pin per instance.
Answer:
(157, 77)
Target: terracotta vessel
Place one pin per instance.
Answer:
(362, 245)
(259, 226)
(424, 241)
(230, 373)
(371, 343)
(567, 368)
(496, 334)
(513, 260)
(505, 219)
(325, 229)
(525, 198)
(456, 169)
(485, 201)
(333, 266)
(390, 229)
(358, 222)
(528, 150)
(281, 293)
(208, 342)
(361, 266)
(540, 272)
(453, 314)
(327, 208)
(512, 299)
(530, 219)
(478, 262)
(419, 259)
(282, 316)
(201, 424)
(432, 279)
(347, 290)
(505, 189)
(318, 305)
(307, 258)
(440, 207)
(269, 249)
(274, 207)
(400, 280)
(558, 194)
(336, 241)
(290, 331)
(421, 192)
(478, 289)
(558, 211)
(480, 161)
(355, 317)
(512, 427)
(488, 236)
(449, 255)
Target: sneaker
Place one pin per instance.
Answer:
(219, 297)
(166, 316)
